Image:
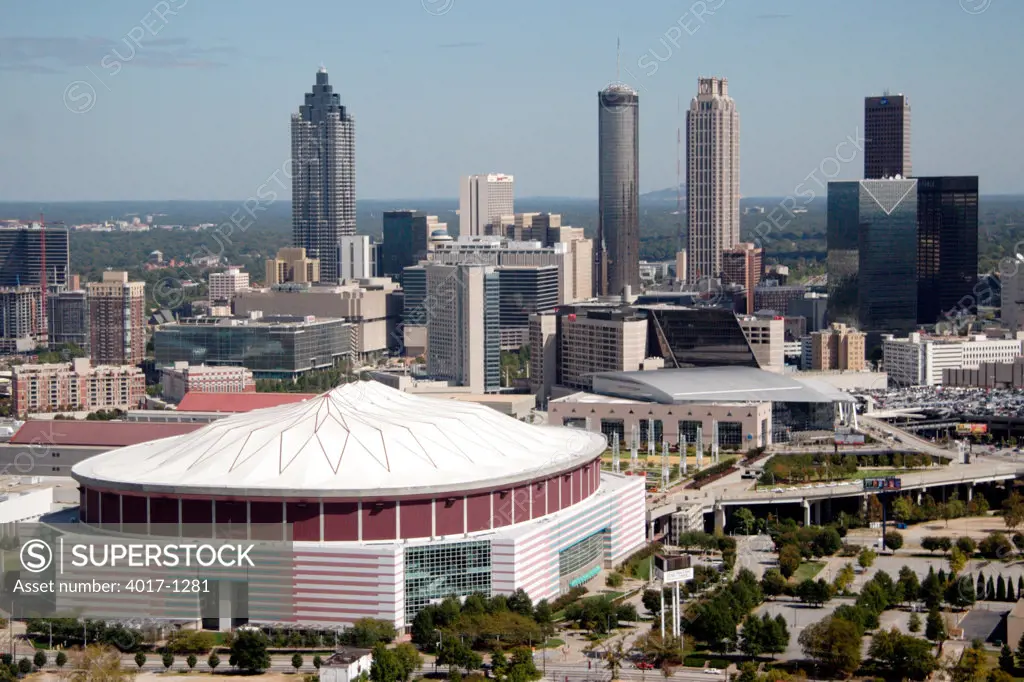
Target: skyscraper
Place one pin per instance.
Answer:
(712, 178)
(117, 311)
(483, 199)
(743, 265)
(887, 137)
(21, 256)
(323, 176)
(947, 247)
(618, 155)
(406, 239)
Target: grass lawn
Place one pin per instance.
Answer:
(807, 569)
(553, 643)
(643, 568)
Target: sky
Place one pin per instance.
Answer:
(190, 99)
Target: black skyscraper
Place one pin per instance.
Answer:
(947, 246)
(887, 137)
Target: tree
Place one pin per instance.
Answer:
(866, 557)
(815, 593)
(909, 584)
(903, 509)
(967, 545)
(61, 660)
(772, 583)
(906, 655)
(614, 579)
(1000, 589)
(1020, 651)
(39, 660)
(979, 587)
(167, 659)
(789, 560)
(409, 659)
(844, 578)
(833, 643)
(990, 590)
(957, 560)
(995, 546)
(744, 519)
(520, 602)
(24, 666)
(613, 659)
(318, 661)
(385, 666)
(140, 660)
(935, 626)
(827, 542)
(893, 540)
(213, 661)
(914, 624)
(100, 663)
(366, 632)
(249, 651)
(297, 662)
(191, 661)
(1006, 663)
(960, 592)
(971, 666)
(1013, 510)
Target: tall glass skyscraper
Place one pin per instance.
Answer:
(618, 226)
(323, 176)
(947, 247)
(872, 254)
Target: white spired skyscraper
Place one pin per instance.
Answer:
(712, 178)
(483, 199)
(323, 176)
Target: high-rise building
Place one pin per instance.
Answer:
(292, 265)
(947, 247)
(21, 319)
(69, 318)
(887, 137)
(323, 176)
(1011, 304)
(743, 265)
(463, 327)
(712, 178)
(871, 238)
(593, 340)
(21, 256)
(224, 285)
(812, 307)
(117, 309)
(837, 347)
(483, 199)
(355, 257)
(770, 295)
(406, 240)
(618, 194)
(524, 290)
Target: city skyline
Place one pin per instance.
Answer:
(169, 153)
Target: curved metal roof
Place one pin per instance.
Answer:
(360, 440)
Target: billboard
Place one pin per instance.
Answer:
(972, 429)
(672, 569)
(849, 439)
(677, 575)
(881, 485)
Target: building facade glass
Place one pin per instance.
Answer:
(947, 247)
(887, 255)
(492, 331)
(21, 256)
(433, 572)
(271, 347)
(618, 227)
(405, 241)
(842, 228)
(577, 559)
(697, 337)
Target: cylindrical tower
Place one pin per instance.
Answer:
(618, 188)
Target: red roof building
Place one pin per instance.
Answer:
(72, 432)
(233, 403)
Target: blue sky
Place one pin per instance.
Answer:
(197, 105)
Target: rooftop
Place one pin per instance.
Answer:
(238, 402)
(68, 432)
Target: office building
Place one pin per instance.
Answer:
(770, 295)
(282, 347)
(117, 308)
(681, 266)
(811, 307)
(618, 192)
(182, 378)
(291, 265)
(68, 318)
(887, 137)
(696, 337)
(463, 325)
(947, 247)
(21, 256)
(766, 336)
(77, 387)
(712, 178)
(354, 257)
(919, 359)
(871, 239)
(483, 200)
(224, 285)
(22, 323)
(1011, 293)
(323, 176)
(593, 340)
(371, 306)
(837, 347)
(743, 265)
(524, 290)
(406, 240)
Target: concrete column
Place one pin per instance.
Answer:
(816, 507)
(807, 512)
(719, 518)
(970, 492)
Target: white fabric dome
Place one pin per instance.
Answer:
(362, 439)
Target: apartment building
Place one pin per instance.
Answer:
(292, 265)
(77, 387)
(838, 347)
(183, 378)
(224, 285)
(117, 309)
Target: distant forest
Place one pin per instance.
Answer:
(798, 241)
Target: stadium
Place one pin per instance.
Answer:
(388, 501)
